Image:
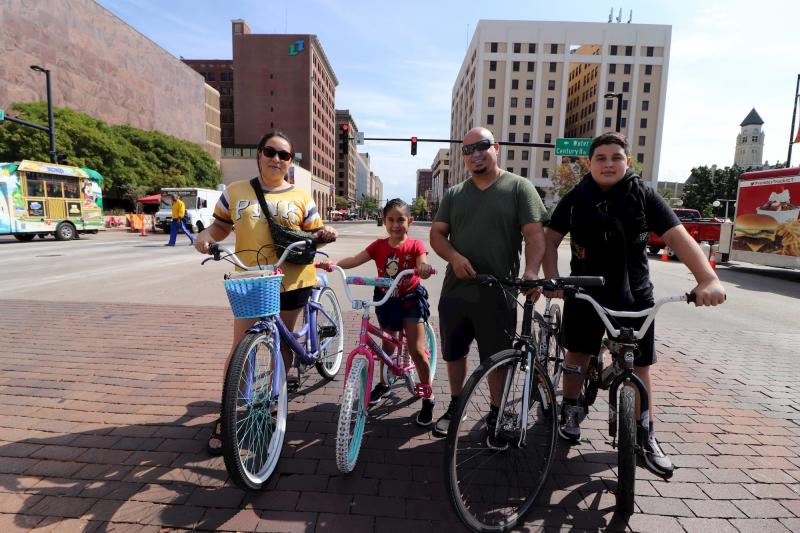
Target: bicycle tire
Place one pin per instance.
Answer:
(492, 490)
(352, 416)
(554, 346)
(412, 378)
(626, 451)
(329, 360)
(253, 413)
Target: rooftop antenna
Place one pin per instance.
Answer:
(611, 15)
(619, 17)
(630, 17)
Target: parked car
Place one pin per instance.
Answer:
(701, 229)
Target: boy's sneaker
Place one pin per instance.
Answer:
(569, 427)
(425, 415)
(443, 424)
(655, 459)
(493, 442)
(377, 394)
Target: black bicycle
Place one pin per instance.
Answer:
(502, 435)
(621, 343)
(551, 348)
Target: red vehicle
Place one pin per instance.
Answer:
(701, 229)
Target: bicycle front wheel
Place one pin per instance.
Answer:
(492, 488)
(554, 348)
(330, 334)
(626, 451)
(254, 411)
(352, 416)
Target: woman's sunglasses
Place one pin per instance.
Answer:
(269, 152)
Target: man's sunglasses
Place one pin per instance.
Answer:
(270, 152)
(480, 146)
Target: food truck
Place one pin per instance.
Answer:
(48, 199)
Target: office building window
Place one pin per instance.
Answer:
(609, 103)
(551, 103)
(490, 102)
(513, 101)
(546, 155)
(744, 138)
(755, 138)
(643, 123)
(515, 66)
(627, 69)
(510, 169)
(548, 120)
(529, 85)
(613, 50)
(626, 86)
(210, 76)
(645, 105)
(612, 68)
(514, 85)
(629, 50)
(623, 123)
(512, 137)
(648, 70)
(607, 122)
(523, 172)
(545, 173)
(510, 155)
(531, 48)
(624, 105)
(641, 140)
(553, 66)
(490, 119)
(526, 137)
(512, 120)
(647, 87)
(640, 157)
(517, 48)
(527, 120)
(610, 87)
(529, 103)
(525, 154)
(548, 138)
(553, 48)
(531, 65)
(551, 85)
(492, 65)
(493, 47)
(649, 51)
(492, 83)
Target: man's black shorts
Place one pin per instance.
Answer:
(583, 331)
(488, 321)
(295, 299)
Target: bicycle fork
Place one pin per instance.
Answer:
(625, 377)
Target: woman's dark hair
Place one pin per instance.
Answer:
(270, 135)
(611, 137)
(396, 203)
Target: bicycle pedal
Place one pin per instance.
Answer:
(327, 331)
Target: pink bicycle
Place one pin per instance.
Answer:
(361, 363)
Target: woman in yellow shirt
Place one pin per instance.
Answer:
(290, 206)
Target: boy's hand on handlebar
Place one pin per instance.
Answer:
(709, 293)
(424, 270)
(462, 268)
(201, 244)
(326, 234)
(535, 292)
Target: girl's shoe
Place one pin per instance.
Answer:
(377, 394)
(425, 415)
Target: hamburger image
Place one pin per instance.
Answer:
(756, 233)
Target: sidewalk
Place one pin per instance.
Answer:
(106, 409)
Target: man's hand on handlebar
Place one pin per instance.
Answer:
(326, 234)
(462, 268)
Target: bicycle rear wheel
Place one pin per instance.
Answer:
(412, 378)
(352, 416)
(330, 331)
(254, 411)
(626, 451)
(490, 489)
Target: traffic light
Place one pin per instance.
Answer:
(344, 138)
(413, 146)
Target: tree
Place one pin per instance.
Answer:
(419, 209)
(133, 162)
(568, 174)
(709, 184)
(368, 205)
(342, 202)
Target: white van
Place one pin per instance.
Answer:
(199, 207)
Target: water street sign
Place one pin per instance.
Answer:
(573, 147)
(360, 137)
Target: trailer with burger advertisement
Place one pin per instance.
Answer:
(766, 230)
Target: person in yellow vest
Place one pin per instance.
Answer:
(178, 212)
(239, 208)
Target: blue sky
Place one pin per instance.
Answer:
(397, 61)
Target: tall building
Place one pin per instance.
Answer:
(533, 82)
(440, 174)
(424, 178)
(104, 68)
(362, 176)
(346, 164)
(278, 82)
(750, 142)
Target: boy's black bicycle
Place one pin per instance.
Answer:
(502, 434)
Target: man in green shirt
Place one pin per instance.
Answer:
(479, 229)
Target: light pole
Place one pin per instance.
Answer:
(618, 96)
(50, 120)
(718, 202)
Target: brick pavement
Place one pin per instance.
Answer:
(105, 411)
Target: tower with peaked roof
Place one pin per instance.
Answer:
(750, 142)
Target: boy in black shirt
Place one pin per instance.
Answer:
(608, 215)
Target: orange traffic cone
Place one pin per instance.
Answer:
(712, 261)
(665, 254)
(144, 229)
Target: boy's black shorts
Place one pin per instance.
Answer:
(488, 321)
(583, 331)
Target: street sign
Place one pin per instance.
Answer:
(2, 115)
(573, 147)
(360, 137)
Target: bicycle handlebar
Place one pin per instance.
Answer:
(552, 284)
(650, 314)
(216, 250)
(391, 283)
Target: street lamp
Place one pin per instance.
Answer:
(50, 120)
(718, 202)
(618, 96)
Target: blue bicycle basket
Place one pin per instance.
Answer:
(254, 294)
